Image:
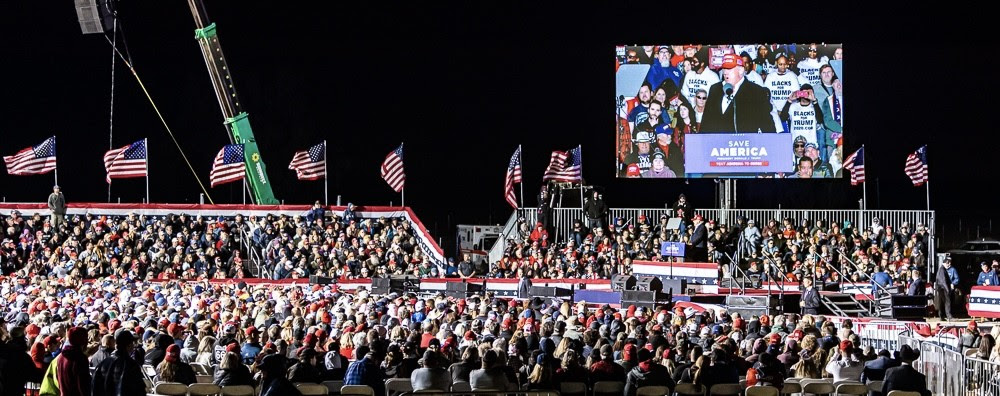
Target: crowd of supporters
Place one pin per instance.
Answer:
(275, 335)
(189, 247)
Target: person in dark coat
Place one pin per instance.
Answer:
(119, 374)
(917, 286)
(699, 241)
(273, 381)
(647, 373)
(232, 372)
(875, 369)
(16, 366)
(905, 377)
(305, 370)
(106, 349)
(810, 298)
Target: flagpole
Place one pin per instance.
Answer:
(326, 176)
(927, 179)
(145, 143)
(520, 160)
(864, 184)
(244, 190)
(580, 150)
(402, 191)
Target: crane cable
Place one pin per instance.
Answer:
(162, 120)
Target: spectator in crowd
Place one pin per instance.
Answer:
(875, 369)
(273, 380)
(72, 366)
(105, 350)
(905, 377)
(647, 373)
(232, 372)
(845, 365)
(16, 366)
(430, 376)
(470, 361)
(119, 374)
(365, 371)
(970, 337)
(57, 204)
(171, 369)
(305, 370)
(490, 377)
(596, 210)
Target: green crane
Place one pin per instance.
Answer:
(236, 120)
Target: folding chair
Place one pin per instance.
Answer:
(357, 390)
(171, 389)
(310, 389)
(762, 391)
(689, 390)
(237, 390)
(725, 390)
(203, 389)
(652, 390)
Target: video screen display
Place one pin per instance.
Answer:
(729, 111)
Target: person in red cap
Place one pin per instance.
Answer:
(73, 369)
(735, 105)
(971, 337)
(171, 369)
(846, 364)
(629, 358)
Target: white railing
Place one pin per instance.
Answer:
(561, 219)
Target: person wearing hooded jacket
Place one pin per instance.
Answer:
(73, 368)
(647, 373)
(189, 351)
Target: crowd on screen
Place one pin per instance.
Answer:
(53, 331)
(797, 89)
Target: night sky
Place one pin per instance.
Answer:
(463, 86)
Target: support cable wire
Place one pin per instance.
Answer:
(160, 115)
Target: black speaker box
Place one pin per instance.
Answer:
(649, 283)
(319, 280)
(548, 291)
(674, 286)
(464, 287)
(622, 282)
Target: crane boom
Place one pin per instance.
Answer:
(236, 120)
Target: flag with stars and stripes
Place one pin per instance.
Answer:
(916, 166)
(34, 160)
(229, 165)
(513, 176)
(125, 162)
(392, 169)
(310, 164)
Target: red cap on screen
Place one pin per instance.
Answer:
(633, 170)
(690, 46)
(730, 61)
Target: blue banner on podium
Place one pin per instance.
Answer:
(672, 249)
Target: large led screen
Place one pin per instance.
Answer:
(729, 111)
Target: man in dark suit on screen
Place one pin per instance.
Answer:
(736, 104)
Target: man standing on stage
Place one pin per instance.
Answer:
(57, 204)
(944, 286)
(810, 298)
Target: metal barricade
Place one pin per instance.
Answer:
(932, 364)
(953, 378)
(881, 334)
(983, 377)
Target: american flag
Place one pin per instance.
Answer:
(392, 169)
(855, 163)
(228, 165)
(310, 164)
(33, 160)
(565, 166)
(128, 161)
(916, 166)
(513, 176)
